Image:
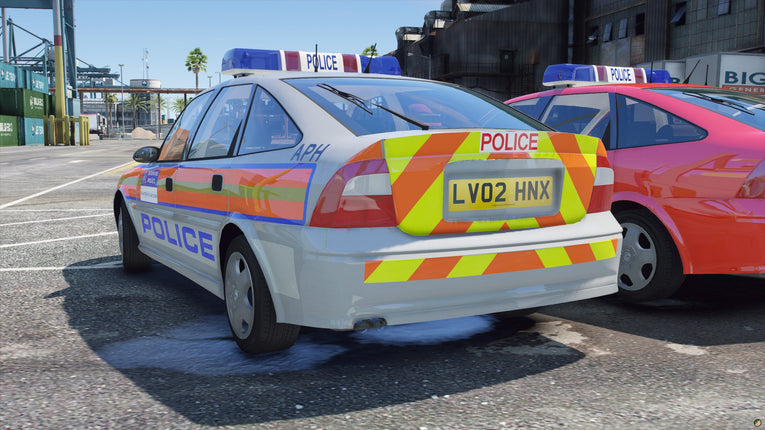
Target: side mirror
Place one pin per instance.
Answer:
(147, 154)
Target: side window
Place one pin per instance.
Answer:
(221, 124)
(588, 114)
(531, 107)
(268, 126)
(642, 124)
(175, 143)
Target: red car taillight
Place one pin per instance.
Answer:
(754, 186)
(358, 195)
(603, 188)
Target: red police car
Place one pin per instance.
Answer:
(688, 160)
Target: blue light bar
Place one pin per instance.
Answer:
(240, 62)
(580, 74)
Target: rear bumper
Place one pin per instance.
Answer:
(331, 278)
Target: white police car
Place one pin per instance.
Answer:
(348, 200)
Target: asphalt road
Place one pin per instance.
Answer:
(84, 345)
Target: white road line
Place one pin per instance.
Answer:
(108, 265)
(53, 220)
(58, 210)
(76, 161)
(63, 185)
(12, 245)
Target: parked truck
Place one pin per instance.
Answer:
(737, 71)
(97, 124)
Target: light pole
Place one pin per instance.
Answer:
(122, 103)
(218, 76)
(209, 81)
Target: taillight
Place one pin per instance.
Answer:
(754, 186)
(603, 188)
(358, 195)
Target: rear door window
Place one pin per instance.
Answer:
(588, 114)
(268, 126)
(643, 124)
(531, 107)
(222, 123)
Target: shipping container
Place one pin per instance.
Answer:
(9, 130)
(11, 76)
(31, 131)
(36, 82)
(22, 102)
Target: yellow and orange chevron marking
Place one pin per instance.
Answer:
(419, 269)
(416, 165)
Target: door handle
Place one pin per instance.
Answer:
(217, 182)
(169, 185)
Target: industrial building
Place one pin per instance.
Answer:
(502, 47)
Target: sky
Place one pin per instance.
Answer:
(113, 32)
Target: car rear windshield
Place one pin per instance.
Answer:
(744, 108)
(368, 105)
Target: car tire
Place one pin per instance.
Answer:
(249, 307)
(650, 267)
(133, 260)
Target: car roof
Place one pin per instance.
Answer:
(616, 88)
(278, 76)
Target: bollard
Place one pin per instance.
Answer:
(50, 131)
(84, 131)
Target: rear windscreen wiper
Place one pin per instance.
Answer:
(361, 103)
(728, 103)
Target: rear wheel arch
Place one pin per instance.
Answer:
(650, 265)
(666, 223)
(251, 310)
(230, 232)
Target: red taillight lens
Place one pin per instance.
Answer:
(603, 189)
(358, 195)
(754, 186)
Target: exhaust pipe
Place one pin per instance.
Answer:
(368, 323)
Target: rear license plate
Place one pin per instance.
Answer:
(499, 193)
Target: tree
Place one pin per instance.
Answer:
(178, 105)
(370, 51)
(160, 103)
(196, 62)
(110, 100)
(137, 103)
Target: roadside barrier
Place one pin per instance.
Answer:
(63, 130)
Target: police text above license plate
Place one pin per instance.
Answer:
(499, 193)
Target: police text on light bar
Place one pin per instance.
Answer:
(580, 75)
(241, 62)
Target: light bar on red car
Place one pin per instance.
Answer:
(580, 75)
(242, 62)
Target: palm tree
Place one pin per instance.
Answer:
(110, 100)
(160, 103)
(196, 62)
(178, 105)
(370, 50)
(136, 102)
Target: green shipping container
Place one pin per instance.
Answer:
(22, 102)
(31, 131)
(9, 130)
(11, 76)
